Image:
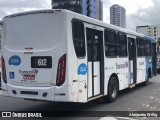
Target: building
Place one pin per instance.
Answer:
(91, 8)
(73, 5)
(151, 30)
(118, 15)
(99, 10)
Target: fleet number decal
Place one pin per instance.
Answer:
(42, 62)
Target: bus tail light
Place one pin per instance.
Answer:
(4, 76)
(61, 70)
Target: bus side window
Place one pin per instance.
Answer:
(143, 47)
(110, 43)
(78, 38)
(140, 47)
(122, 45)
(148, 48)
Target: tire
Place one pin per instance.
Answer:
(113, 90)
(147, 80)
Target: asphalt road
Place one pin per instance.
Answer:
(140, 98)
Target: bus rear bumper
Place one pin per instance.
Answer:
(40, 93)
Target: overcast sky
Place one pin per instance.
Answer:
(139, 12)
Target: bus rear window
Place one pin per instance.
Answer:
(33, 30)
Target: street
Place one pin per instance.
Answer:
(140, 98)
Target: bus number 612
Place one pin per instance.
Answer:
(42, 62)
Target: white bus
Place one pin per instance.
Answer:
(62, 56)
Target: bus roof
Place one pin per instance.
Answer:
(78, 16)
(107, 25)
(150, 38)
(29, 12)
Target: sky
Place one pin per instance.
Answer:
(138, 12)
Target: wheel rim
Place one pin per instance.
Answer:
(113, 90)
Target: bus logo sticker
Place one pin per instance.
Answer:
(141, 63)
(82, 69)
(15, 60)
(121, 66)
(29, 75)
(11, 75)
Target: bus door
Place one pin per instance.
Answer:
(154, 59)
(132, 60)
(95, 62)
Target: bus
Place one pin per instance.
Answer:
(62, 56)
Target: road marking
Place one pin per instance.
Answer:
(0, 91)
(147, 105)
(108, 118)
(125, 118)
(117, 118)
(151, 97)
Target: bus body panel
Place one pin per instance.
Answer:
(141, 69)
(20, 75)
(16, 75)
(21, 72)
(119, 66)
(38, 93)
(76, 80)
(122, 66)
(109, 70)
(4, 89)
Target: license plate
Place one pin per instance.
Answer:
(41, 62)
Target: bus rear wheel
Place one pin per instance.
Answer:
(112, 90)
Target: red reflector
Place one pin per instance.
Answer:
(62, 94)
(28, 48)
